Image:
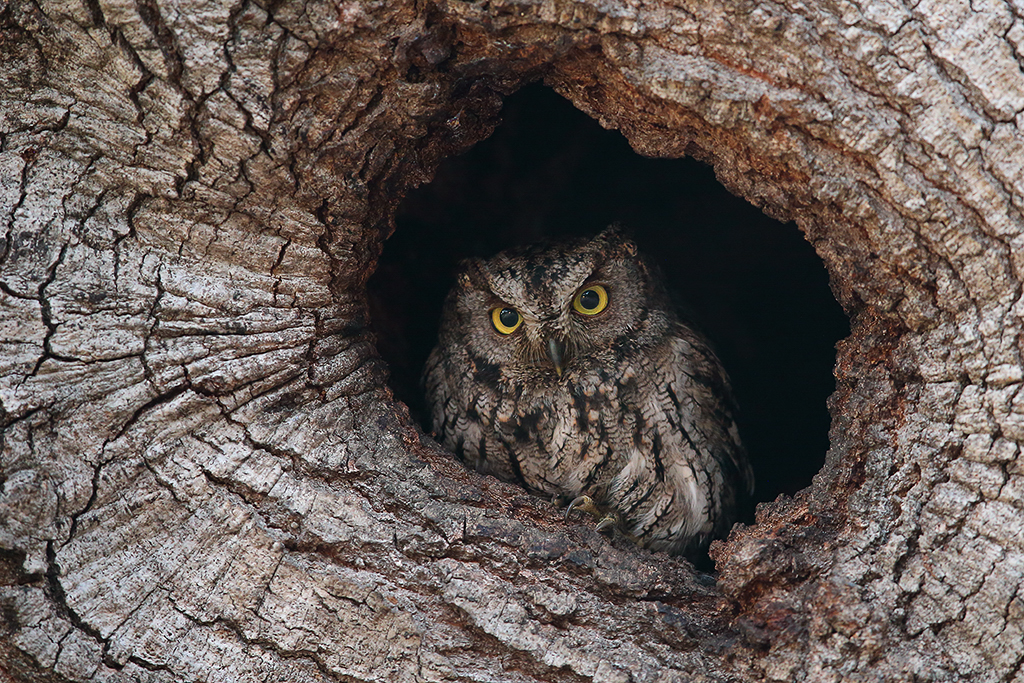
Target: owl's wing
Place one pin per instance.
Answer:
(701, 396)
(461, 411)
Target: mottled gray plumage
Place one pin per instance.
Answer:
(628, 405)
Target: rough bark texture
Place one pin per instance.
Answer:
(205, 478)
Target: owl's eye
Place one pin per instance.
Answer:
(591, 300)
(506, 320)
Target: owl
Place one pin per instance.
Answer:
(564, 368)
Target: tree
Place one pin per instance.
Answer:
(204, 476)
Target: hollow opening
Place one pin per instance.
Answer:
(754, 286)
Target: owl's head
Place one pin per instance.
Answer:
(549, 311)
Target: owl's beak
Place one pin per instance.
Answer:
(556, 352)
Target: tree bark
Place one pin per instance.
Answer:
(204, 476)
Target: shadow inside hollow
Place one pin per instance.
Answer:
(752, 284)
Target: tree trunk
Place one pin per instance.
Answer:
(204, 476)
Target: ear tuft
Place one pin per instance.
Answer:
(615, 235)
(471, 274)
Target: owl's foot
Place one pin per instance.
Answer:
(605, 519)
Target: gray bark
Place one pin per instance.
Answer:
(204, 476)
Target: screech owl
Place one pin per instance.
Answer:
(564, 368)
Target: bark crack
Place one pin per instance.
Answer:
(45, 312)
(160, 399)
(238, 631)
(5, 247)
(56, 593)
(154, 316)
(95, 483)
(955, 75)
(149, 12)
(273, 271)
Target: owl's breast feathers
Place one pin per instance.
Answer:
(650, 434)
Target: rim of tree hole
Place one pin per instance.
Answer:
(752, 284)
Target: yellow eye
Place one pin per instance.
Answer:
(591, 300)
(506, 320)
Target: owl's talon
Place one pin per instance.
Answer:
(583, 504)
(605, 520)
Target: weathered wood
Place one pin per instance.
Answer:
(204, 476)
